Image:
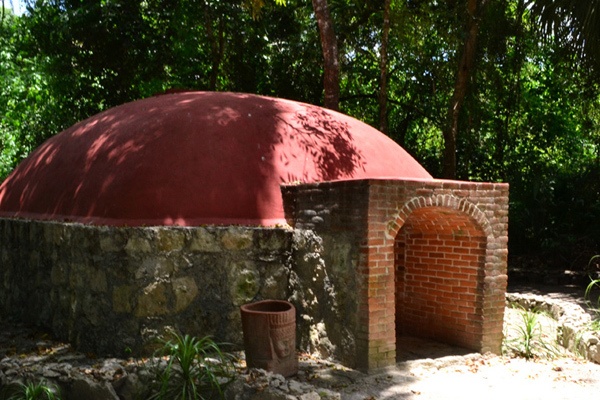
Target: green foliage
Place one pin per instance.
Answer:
(531, 117)
(24, 97)
(34, 391)
(529, 340)
(594, 273)
(574, 23)
(194, 369)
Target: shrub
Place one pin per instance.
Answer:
(529, 340)
(189, 368)
(33, 391)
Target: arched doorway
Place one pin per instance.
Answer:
(439, 256)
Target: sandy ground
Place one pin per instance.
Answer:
(429, 372)
(425, 371)
(481, 378)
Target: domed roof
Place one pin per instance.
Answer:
(194, 158)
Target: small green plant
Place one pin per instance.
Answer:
(594, 275)
(529, 340)
(594, 283)
(191, 369)
(34, 391)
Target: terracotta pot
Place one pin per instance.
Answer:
(269, 328)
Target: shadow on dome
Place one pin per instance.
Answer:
(183, 159)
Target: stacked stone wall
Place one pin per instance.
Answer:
(114, 290)
(330, 224)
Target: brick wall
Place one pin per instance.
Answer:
(438, 278)
(431, 259)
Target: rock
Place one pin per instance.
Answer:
(204, 241)
(272, 394)
(298, 388)
(84, 388)
(236, 238)
(49, 373)
(130, 388)
(185, 291)
(152, 301)
(310, 396)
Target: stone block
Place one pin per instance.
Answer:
(152, 301)
(185, 291)
(121, 298)
(203, 240)
(169, 240)
(237, 238)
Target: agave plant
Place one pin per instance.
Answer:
(594, 284)
(530, 340)
(35, 391)
(191, 369)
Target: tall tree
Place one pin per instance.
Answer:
(464, 74)
(331, 63)
(383, 67)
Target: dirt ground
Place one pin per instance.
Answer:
(425, 370)
(428, 371)
(475, 377)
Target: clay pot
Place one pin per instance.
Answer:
(269, 328)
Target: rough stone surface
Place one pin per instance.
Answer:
(84, 281)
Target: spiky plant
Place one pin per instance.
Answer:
(530, 340)
(594, 284)
(40, 390)
(192, 369)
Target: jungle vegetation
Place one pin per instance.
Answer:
(482, 90)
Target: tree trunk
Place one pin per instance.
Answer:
(463, 76)
(383, 70)
(331, 70)
(217, 45)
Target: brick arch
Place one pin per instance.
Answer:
(368, 215)
(439, 262)
(447, 201)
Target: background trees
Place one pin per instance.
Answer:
(503, 90)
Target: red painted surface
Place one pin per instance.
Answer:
(195, 158)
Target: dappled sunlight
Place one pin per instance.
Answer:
(192, 158)
(319, 147)
(225, 116)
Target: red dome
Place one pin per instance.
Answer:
(195, 158)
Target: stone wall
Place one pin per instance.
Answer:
(330, 226)
(356, 252)
(113, 290)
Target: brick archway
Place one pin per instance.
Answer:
(439, 253)
(442, 200)
(464, 220)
